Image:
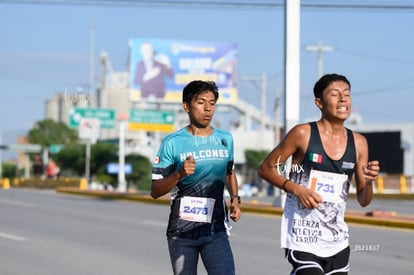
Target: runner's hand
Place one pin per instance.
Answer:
(235, 212)
(371, 170)
(310, 199)
(189, 166)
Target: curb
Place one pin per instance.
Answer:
(395, 221)
(390, 196)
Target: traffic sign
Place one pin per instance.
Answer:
(113, 168)
(151, 120)
(89, 128)
(28, 148)
(55, 148)
(106, 116)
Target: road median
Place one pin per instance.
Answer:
(377, 219)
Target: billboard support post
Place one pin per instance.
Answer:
(122, 186)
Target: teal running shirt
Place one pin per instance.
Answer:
(214, 156)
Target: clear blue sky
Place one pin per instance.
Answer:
(45, 49)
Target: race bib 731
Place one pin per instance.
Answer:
(328, 185)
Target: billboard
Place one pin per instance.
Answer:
(160, 68)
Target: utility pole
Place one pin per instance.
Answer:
(320, 49)
(263, 105)
(91, 63)
(276, 124)
(263, 80)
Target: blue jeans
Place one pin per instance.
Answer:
(215, 253)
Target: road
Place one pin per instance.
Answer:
(47, 233)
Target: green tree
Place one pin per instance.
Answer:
(8, 170)
(71, 159)
(102, 153)
(254, 158)
(47, 132)
(141, 171)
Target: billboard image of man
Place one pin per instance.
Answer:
(151, 72)
(160, 68)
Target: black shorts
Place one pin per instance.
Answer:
(304, 263)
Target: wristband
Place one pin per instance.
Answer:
(284, 184)
(235, 197)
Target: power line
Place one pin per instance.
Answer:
(188, 4)
(375, 57)
(359, 6)
(218, 4)
(395, 88)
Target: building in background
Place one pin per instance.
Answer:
(117, 92)
(59, 106)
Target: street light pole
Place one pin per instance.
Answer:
(292, 71)
(88, 161)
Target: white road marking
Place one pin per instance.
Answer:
(154, 223)
(17, 203)
(12, 237)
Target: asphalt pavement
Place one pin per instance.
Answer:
(47, 233)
